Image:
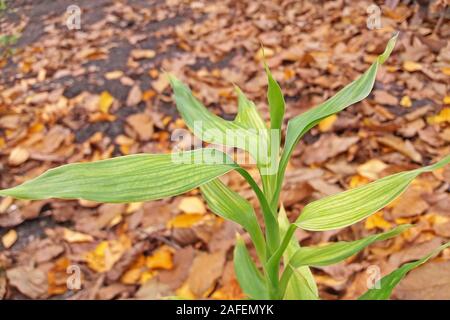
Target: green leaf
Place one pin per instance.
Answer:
(250, 278)
(388, 283)
(352, 93)
(276, 101)
(346, 208)
(131, 178)
(301, 285)
(334, 252)
(338, 251)
(247, 131)
(231, 206)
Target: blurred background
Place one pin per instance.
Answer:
(82, 81)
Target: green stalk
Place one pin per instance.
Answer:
(272, 231)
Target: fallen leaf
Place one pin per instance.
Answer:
(186, 220)
(411, 66)
(406, 102)
(371, 169)
(160, 259)
(32, 282)
(377, 221)
(57, 277)
(442, 117)
(410, 203)
(142, 123)
(105, 101)
(161, 83)
(383, 97)
(18, 156)
(327, 147)
(205, 270)
(106, 254)
(327, 123)
(134, 96)
(192, 205)
(75, 237)
(428, 282)
(9, 238)
(142, 54)
(405, 147)
(113, 75)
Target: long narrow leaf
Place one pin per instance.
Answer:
(247, 131)
(276, 101)
(336, 252)
(383, 290)
(127, 179)
(346, 208)
(250, 278)
(231, 206)
(333, 253)
(301, 286)
(352, 93)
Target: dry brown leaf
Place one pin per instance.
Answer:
(30, 281)
(371, 169)
(134, 96)
(142, 123)
(75, 237)
(405, 147)
(142, 54)
(205, 270)
(327, 147)
(428, 282)
(383, 97)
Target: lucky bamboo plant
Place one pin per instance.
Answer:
(283, 269)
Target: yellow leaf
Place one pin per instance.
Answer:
(377, 221)
(185, 220)
(131, 276)
(105, 101)
(446, 71)
(185, 292)
(74, 236)
(327, 123)
(147, 275)
(443, 116)
(406, 102)
(107, 253)
(446, 100)
(411, 66)
(357, 181)
(133, 207)
(371, 169)
(160, 259)
(9, 238)
(192, 205)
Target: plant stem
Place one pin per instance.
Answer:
(272, 230)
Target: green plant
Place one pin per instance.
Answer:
(145, 177)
